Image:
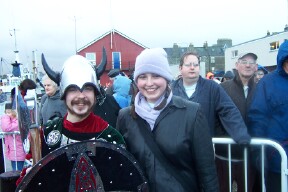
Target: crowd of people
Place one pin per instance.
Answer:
(167, 124)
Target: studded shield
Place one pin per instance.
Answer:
(86, 166)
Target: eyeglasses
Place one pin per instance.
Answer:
(245, 62)
(191, 64)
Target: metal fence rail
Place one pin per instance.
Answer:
(2, 134)
(262, 143)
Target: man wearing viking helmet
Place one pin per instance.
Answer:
(80, 90)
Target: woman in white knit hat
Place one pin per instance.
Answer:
(168, 136)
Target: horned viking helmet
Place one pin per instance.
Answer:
(76, 71)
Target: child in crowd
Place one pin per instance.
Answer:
(13, 144)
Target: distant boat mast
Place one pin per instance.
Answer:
(16, 66)
(34, 63)
(15, 42)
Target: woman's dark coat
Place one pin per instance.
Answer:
(182, 134)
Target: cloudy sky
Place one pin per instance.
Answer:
(49, 26)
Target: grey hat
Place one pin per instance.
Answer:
(153, 61)
(113, 73)
(254, 56)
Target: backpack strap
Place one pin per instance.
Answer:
(170, 168)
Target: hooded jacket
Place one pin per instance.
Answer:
(268, 114)
(121, 86)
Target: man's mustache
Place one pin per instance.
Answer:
(81, 101)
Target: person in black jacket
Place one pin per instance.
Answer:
(168, 135)
(107, 108)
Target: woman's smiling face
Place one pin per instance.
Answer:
(151, 86)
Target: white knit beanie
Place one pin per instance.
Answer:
(153, 61)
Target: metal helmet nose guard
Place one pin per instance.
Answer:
(77, 70)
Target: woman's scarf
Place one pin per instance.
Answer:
(143, 109)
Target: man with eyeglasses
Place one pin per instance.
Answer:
(215, 103)
(241, 90)
(268, 115)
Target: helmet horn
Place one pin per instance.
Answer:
(102, 66)
(54, 76)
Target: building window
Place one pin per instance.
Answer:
(212, 59)
(91, 57)
(274, 45)
(234, 53)
(116, 60)
(203, 59)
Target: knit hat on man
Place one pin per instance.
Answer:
(113, 73)
(153, 61)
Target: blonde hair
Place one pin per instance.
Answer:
(13, 112)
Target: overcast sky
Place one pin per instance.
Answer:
(49, 26)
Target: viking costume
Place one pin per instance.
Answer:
(60, 132)
(81, 152)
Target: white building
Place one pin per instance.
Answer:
(266, 48)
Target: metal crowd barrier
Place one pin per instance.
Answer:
(262, 143)
(2, 134)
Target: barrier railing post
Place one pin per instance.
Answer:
(262, 168)
(3, 152)
(261, 142)
(13, 133)
(245, 169)
(230, 168)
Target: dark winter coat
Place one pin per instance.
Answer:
(234, 88)
(182, 134)
(268, 114)
(215, 103)
(108, 110)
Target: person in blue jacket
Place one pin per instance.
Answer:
(121, 89)
(268, 115)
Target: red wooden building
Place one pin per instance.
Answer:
(121, 52)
